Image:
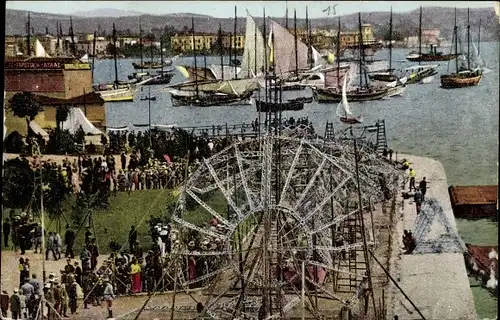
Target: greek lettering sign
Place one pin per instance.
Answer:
(33, 65)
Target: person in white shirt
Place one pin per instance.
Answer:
(108, 296)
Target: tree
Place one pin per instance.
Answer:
(62, 113)
(14, 143)
(25, 105)
(18, 184)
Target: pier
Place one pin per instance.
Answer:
(437, 283)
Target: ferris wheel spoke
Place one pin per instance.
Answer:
(223, 190)
(291, 172)
(310, 184)
(196, 228)
(326, 199)
(243, 178)
(335, 221)
(209, 209)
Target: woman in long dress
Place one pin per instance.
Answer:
(135, 271)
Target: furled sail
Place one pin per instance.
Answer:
(234, 86)
(284, 50)
(253, 55)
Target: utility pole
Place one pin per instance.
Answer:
(28, 27)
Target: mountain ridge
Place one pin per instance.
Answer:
(406, 23)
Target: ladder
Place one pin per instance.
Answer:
(381, 136)
(329, 131)
(354, 258)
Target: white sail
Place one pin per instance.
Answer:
(85, 58)
(234, 86)
(284, 50)
(253, 55)
(76, 118)
(318, 60)
(344, 104)
(40, 51)
(228, 71)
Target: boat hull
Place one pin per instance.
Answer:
(349, 120)
(211, 100)
(396, 91)
(163, 79)
(327, 96)
(432, 57)
(457, 81)
(419, 76)
(118, 95)
(383, 77)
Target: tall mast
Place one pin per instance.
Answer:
(235, 38)
(390, 44)
(286, 14)
(58, 36)
(360, 45)
(221, 50)
(114, 55)
(479, 39)
(93, 54)
(309, 51)
(420, 37)
(161, 54)
(295, 34)
(255, 49)
(338, 56)
(455, 35)
(140, 41)
(28, 38)
(468, 40)
(151, 50)
(72, 35)
(194, 55)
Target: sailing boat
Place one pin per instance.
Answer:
(114, 93)
(212, 93)
(432, 55)
(162, 77)
(467, 77)
(420, 73)
(346, 116)
(363, 93)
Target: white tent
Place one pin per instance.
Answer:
(40, 51)
(76, 118)
(38, 130)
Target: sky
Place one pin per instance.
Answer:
(224, 9)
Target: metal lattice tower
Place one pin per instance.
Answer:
(275, 211)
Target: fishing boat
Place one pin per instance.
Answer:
(432, 55)
(465, 76)
(343, 109)
(364, 92)
(420, 73)
(212, 92)
(386, 75)
(119, 91)
(209, 99)
(162, 76)
(151, 65)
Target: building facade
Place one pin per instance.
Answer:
(351, 38)
(55, 82)
(184, 42)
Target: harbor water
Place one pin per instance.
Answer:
(457, 127)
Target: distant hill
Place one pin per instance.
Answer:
(404, 23)
(106, 12)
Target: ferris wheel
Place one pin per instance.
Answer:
(263, 223)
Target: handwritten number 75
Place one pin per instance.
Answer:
(330, 10)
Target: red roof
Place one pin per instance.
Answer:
(480, 254)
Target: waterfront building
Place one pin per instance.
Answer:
(55, 82)
(184, 42)
(351, 38)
